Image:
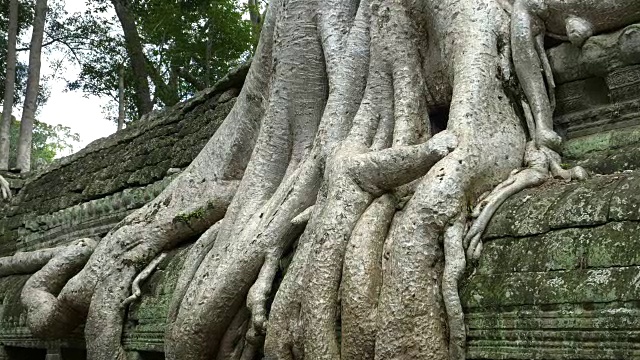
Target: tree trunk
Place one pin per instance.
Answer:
(33, 88)
(121, 98)
(136, 57)
(254, 11)
(328, 158)
(9, 85)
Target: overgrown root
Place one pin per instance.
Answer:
(542, 163)
(453, 270)
(135, 286)
(27, 262)
(46, 316)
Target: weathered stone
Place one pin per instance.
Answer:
(566, 249)
(587, 204)
(625, 202)
(553, 287)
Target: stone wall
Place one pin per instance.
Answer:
(86, 194)
(560, 274)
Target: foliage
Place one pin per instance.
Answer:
(188, 44)
(48, 142)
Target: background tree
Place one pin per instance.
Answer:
(121, 99)
(187, 46)
(14, 78)
(10, 84)
(23, 161)
(137, 59)
(49, 142)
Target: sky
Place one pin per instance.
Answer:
(71, 108)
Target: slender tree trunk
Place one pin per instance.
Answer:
(136, 57)
(121, 98)
(33, 88)
(254, 11)
(9, 86)
(207, 57)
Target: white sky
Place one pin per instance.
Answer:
(73, 109)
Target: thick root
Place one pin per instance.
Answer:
(192, 262)
(27, 262)
(453, 270)
(362, 278)
(46, 315)
(542, 164)
(106, 316)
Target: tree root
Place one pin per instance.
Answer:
(260, 291)
(232, 343)
(192, 262)
(135, 287)
(362, 278)
(453, 270)
(46, 316)
(5, 189)
(27, 262)
(542, 163)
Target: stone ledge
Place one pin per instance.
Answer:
(560, 205)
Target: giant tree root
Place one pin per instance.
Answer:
(45, 316)
(27, 262)
(541, 164)
(330, 127)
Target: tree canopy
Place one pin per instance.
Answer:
(49, 141)
(187, 45)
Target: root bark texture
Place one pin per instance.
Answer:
(27, 262)
(47, 317)
(5, 189)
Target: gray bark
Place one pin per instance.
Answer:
(23, 161)
(9, 85)
(136, 57)
(26, 262)
(121, 98)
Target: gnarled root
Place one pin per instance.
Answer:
(542, 164)
(453, 270)
(46, 316)
(135, 287)
(27, 262)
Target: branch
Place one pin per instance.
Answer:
(186, 76)
(168, 95)
(50, 42)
